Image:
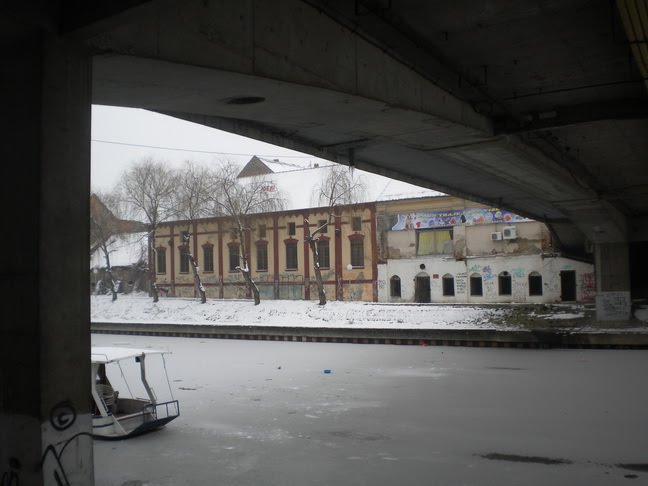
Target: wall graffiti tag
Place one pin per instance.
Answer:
(62, 416)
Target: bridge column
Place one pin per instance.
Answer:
(45, 408)
(612, 281)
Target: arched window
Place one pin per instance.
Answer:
(448, 285)
(395, 286)
(504, 283)
(535, 283)
(476, 284)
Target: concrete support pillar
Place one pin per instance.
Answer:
(45, 407)
(612, 281)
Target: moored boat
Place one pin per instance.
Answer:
(117, 416)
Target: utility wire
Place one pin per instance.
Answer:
(176, 149)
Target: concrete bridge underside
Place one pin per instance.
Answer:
(536, 107)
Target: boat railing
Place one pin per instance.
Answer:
(162, 410)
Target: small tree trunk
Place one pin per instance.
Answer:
(152, 278)
(312, 243)
(245, 270)
(113, 290)
(197, 279)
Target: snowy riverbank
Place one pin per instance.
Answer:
(284, 313)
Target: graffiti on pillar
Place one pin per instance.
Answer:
(62, 416)
(588, 286)
(12, 476)
(613, 305)
(487, 273)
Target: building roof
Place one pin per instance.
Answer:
(298, 181)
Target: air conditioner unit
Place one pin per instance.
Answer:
(496, 236)
(509, 233)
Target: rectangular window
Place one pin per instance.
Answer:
(476, 285)
(234, 260)
(292, 231)
(262, 231)
(323, 251)
(434, 242)
(395, 286)
(357, 253)
(233, 233)
(356, 223)
(262, 258)
(322, 223)
(291, 256)
(504, 284)
(448, 286)
(184, 260)
(161, 261)
(535, 284)
(208, 258)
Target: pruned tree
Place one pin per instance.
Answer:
(104, 229)
(339, 187)
(239, 199)
(149, 189)
(194, 199)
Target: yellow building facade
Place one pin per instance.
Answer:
(279, 257)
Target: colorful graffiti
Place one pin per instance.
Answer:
(440, 219)
(588, 287)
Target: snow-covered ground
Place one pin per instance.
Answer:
(291, 313)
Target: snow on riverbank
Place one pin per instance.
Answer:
(291, 313)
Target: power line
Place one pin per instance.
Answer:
(176, 149)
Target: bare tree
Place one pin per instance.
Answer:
(194, 199)
(239, 199)
(149, 188)
(104, 229)
(338, 187)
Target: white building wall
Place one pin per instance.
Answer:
(489, 268)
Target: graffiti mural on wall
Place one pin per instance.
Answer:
(440, 219)
(588, 286)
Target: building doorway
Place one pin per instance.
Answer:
(422, 292)
(568, 286)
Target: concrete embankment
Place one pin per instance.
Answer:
(545, 338)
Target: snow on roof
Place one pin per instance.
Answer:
(110, 354)
(124, 250)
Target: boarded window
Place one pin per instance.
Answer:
(262, 257)
(184, 259)
(356, 223)
(234, 257)
(323, 250)
(161, 260)
(535, 283)
(291, 256)
(504, 283)
(395, 286)
(357, 252)
(448, 285)
(476, 285)
(434, 242)
(208, 258)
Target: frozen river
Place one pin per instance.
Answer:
(268, 413)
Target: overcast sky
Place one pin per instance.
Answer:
(121, 136)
